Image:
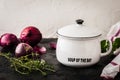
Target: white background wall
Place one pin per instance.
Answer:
(49, 15)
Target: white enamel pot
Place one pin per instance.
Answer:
(79, 45)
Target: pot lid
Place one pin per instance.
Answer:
(78, 31)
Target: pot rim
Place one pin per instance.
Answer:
(78, 37)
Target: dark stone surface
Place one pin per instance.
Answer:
(62, 72)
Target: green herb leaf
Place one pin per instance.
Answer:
(105, 45)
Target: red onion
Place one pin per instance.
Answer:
(52, 45)
(23, 49)
(8, 40)
(39, 50)
(0, 41)
(31, 35)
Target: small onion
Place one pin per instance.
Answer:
(39, 50)
(23, 49)
(52, 45)
(43, 50)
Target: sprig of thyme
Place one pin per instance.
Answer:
(26, 65)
